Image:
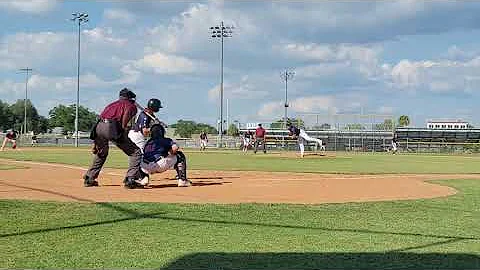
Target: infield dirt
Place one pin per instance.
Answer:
(57, 182)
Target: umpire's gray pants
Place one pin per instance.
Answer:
(111, 132)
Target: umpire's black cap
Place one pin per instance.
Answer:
(127, 93)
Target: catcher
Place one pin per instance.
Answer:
(141, 129)
(161, 154)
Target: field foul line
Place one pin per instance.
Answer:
(57, 165)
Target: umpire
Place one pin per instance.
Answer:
(112, 126)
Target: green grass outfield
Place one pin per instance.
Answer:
(441, 233)
(235, 160)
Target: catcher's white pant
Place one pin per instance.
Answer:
(203, 143)
(304, 137)
(160, 166)
(137, 138)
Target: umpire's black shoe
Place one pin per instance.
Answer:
(131, 183)
(89, 182)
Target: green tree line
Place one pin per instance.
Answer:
(12, 117)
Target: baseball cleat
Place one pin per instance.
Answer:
(145, 178)
(184, 183)
(131, 183)
(88, 182)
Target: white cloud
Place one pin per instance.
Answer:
(189, 31)
(29, 6)
(367, 21)
(103, 35)
(244, 89)
(332, 59)
(271, 110)
(310, 104)
(313, 104)
(385, 110)
(23, 49)
(168, 64)
(436, 76)
(119, 15)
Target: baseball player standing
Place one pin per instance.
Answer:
(162, 154)
(141, 129)
(112, 127)
(302, 137)
(203, 140)
(260, 138)
(394, 146)
(247, 136)
(34, 140)
(11, 137)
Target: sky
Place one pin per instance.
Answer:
(419, 58)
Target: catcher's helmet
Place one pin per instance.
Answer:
(157, 131)
(154, 104)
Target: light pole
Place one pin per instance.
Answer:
(26, 70)
(221, 31)
(286, 75)
(82, 18)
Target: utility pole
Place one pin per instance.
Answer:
(221, 31)
(286, 75)
(82, 18)
(26, 70)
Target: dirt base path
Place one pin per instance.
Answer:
(57, 182)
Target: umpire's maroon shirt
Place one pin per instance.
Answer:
(121, 110)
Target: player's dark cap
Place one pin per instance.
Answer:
(127, 93)
(157, 131)
(154, 104)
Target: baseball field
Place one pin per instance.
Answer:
(244, 211)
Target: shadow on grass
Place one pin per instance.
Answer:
(135, 214)
(334, 260)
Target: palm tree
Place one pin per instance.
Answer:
(404, 121)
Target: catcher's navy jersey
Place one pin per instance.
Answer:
(294, 130)
(155, 149)
(143, 121)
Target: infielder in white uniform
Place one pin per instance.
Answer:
(247, 139)
(394, 146)
(302, 136)
(203, 140)
(162, 154)
(141, 130)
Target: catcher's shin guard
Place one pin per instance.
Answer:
(181, 166)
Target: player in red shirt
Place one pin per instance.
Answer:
(260, 138)
(11, 136)
(113, 127)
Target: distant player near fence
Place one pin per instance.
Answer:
(247, 137)
(203, 140)
(394, 146)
